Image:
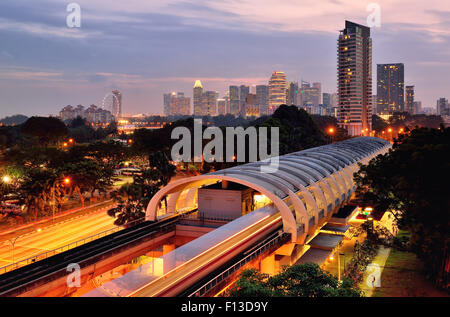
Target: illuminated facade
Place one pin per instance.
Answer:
(234, 100)
(198, 93)
(117, 104)
(355, 79)
(390, 88)
(277, 90)
(409, 100)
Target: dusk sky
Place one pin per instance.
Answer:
(146, 48)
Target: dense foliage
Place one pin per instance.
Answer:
(304, 280)
(411, 182)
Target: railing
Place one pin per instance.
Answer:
(235, 267)
(44, 255)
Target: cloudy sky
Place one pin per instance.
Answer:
(145, 48)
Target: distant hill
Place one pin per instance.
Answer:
(14, 120)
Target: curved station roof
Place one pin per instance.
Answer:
(304, 186)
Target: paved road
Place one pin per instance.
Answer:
(55, 236)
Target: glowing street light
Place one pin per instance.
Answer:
(331, 130)
(6, 179)
(389, 130)
(67, 180)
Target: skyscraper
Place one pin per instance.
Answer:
(309, 96)
(117, 104)
(292, 93)
(262, 98)
(409, 99)
(442, 107)
(244, 90)
(221, 106)
(209, 103)
(355, 78)
(234, 100)
(198, 92)
(390, 88)
(175, 103)
(277, 90)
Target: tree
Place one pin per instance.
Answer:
(133, 198)
(46, 130)
(298, 131)
(303, 280)
(410, 182)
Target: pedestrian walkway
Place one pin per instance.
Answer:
(372, 275)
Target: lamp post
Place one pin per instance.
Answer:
(13, 241)
(331, 133)
(66, 181)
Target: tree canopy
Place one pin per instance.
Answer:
(411, 182)
(303, 280)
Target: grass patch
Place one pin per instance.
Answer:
(402, 276)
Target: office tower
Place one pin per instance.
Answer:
(234, 100)
(390, 88)
(244, 90)
(326, 99)
(209, 103)
(180, 105)
(355, 79)
(318, 88)
(262, 98)
(221, 106)
(277, 90)
(409, 99)
(443, 107)
(117, 104)
(309, 97)
(198, 93)
(166, 100)
(418, 107)
(292, 92)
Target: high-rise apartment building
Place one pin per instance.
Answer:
(409, 99)
(390, 88)
(277, 90)
(355, 79)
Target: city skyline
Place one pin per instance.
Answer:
(166, 51)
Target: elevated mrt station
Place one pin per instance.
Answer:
(281, 210)
(213, 226)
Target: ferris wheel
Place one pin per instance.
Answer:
(112, 102)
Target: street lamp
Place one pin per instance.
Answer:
(6, 179)
(331, 133)
(13, 241)
(66, 181)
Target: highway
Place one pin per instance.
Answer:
(57, 235)
(173, 282)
